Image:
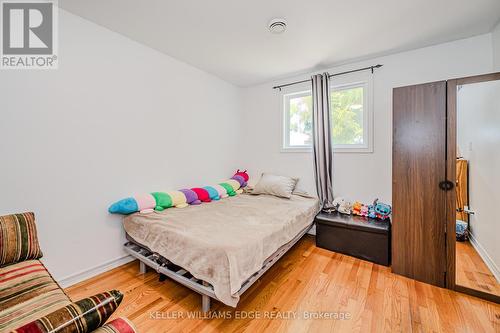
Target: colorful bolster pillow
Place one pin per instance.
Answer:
(160, 201)
(212, 192)
(191, 196)
(202, 194)
(83, 316)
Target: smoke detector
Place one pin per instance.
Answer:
(277, 26)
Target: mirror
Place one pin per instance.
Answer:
(478, 187)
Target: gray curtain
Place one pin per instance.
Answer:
(322, 140)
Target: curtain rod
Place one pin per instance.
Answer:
(331, 75)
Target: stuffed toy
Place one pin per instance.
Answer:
(336, 202)
(221, 190)
(191, 196)
(356, 208)
(163, 200)
(229, 189)
(364, 210)
(371, 212)
(212, 192)
(159, 201)
(202, 194)
(345, 208)
(342, 206)
(382, 210)
(178, 199)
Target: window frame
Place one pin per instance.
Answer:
(367, 147)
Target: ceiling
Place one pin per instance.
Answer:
(229, 38)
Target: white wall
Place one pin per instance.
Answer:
(478, 137)
(495, 34)
(357, 176)
(116, 118)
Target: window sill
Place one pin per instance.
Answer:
(335, 150)
(296, 150)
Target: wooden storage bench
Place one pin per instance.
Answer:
(357, 236)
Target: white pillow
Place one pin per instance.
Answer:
(280, 186)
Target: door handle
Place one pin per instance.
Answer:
(446, 185)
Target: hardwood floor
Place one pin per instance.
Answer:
(472, 272)
(307, 280)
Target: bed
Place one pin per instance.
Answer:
(220, 248)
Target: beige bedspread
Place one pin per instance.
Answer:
(223, 242)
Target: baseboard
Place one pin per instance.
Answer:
(486, 258)
(96, 270)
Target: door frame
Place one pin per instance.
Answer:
(451, 153)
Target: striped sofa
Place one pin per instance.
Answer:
(30, 299)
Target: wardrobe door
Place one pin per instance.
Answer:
(419, 165)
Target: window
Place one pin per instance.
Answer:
(298, 125)
(350, 119)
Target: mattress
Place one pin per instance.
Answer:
(223, 242)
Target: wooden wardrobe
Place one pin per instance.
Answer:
(419, 183)
(429, 183)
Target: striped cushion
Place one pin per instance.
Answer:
(86, 315)
(27, 292)
(119, 325)
(18, 238)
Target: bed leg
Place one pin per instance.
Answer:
(205, 303)
(142, 267)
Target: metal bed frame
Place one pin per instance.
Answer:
(163, 266)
